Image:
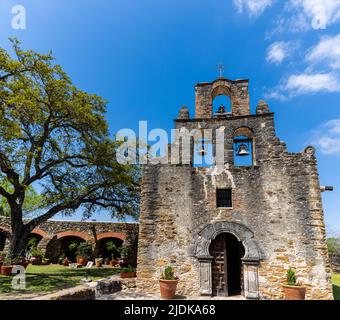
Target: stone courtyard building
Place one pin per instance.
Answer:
(234, 231)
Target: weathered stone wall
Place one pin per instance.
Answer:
(52, 230)
(335, 262)
(278, 199)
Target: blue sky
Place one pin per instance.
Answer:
(145, 57)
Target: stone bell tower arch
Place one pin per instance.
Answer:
(236, 90)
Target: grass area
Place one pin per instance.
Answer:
(336, 286)
(45, 279)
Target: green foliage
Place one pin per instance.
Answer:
(55, 135)
(32, 243)
(31, 204)
(37, 253)
(333, 245)
(12, 261)
(168, 274)
(85, 250)
(291, 277)
(73, 246)
(124, 252)
(112, 248)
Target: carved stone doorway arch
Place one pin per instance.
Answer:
(250, 261)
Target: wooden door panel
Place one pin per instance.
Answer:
(219, 272)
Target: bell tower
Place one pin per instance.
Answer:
(236, 90)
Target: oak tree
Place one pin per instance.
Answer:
(54, 137)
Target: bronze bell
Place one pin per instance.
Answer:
(202, 152)
(243, 150)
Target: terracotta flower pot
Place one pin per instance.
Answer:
(168, 288)
(36, 261)
(6, 270)
(113, 263)
(125, 275)
(99, 262)
(82, 261)
(294, 292)
(123, 263)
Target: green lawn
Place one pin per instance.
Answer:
(336, 286)
(45, 279)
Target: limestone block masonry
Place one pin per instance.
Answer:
(276, 211)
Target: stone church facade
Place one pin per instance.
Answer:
(234, 231)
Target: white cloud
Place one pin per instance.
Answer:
(278, 51)
(305, 84)
(254, 7)
(327, 137)
(329, 146)
(333, 126)
(326, 51)
(320, 13)
(309, 83)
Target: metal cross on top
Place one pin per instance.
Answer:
(220, 68)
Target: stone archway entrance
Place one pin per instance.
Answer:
(250, 261)
(227, 273)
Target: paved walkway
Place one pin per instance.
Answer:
(133, 295)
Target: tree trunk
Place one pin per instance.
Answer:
(16, 245)
(18, 234)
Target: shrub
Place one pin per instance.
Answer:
(73, 246)
(9, 261)
(168, 274)
(85, 250)
(124, 252)
(37, 253)
(112, 248)
(32, 243)
(291, 277)
(333, 245)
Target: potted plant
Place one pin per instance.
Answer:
(36, 256)
(292, 290)
(112, 248)
(84, 253)
(99, 262)
(124, 255)
(128, 272)
(66, 262)
(7, 266)
(168, 283)
(45, 261)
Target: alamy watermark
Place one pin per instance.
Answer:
(319, 20)
(19, 17)
(205, 146)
